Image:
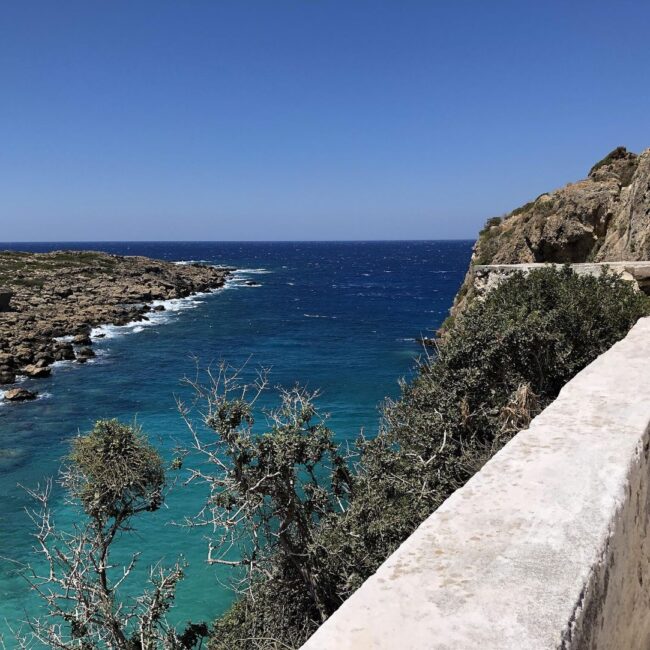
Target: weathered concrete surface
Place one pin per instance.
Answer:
(546, 547)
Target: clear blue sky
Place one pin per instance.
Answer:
(310, 119)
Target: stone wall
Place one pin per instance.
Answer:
(546, 547)
(487, 276)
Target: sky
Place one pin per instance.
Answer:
(306, 119)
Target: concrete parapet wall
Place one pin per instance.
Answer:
(546, 547)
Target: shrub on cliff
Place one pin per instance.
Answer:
(500, 363)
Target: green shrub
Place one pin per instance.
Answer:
(489, 224)
(500, 363)
(619, 153)
(118, 471)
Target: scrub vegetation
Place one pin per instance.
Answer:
(499, 364)
(302, 522)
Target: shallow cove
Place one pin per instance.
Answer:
(341, 317)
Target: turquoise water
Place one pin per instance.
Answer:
(340, 317)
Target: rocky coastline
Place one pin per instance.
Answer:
(50, 302)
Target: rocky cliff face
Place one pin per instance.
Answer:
(604, 218)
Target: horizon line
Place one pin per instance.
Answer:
(231, 241)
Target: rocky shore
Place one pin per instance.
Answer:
(49, 302)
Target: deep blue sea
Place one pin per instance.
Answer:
(339, 317)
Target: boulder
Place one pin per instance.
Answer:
(6, 359)
(64, 352)
(35, 371)
(82, 339)
(84, 354)
(19, 395)
(43, 359)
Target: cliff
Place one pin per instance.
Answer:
(604, 218)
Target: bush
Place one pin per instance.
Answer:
(501, 362)
(488, 240)
(112, 475)
(118, 471)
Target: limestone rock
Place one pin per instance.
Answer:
(19, 395)
(84, 354)
(604, 218)
(36, 371)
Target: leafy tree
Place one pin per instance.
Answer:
(269, 491)
(114, 475)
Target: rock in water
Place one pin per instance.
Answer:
(82, 339)
(84, 354)
(35, 371)
(19, 395)
(64, 352)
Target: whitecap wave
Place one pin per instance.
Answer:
(39, 396)
(240, 278)
(318, 316)
(61, 364)
(153, 317)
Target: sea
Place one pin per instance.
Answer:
(341, 318)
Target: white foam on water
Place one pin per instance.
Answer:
(64, 363)
(107, 332)
(318, 316)
(154, 318)
(39, 396)
(240, 277)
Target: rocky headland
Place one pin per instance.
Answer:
(603, 218)
(49, 302)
